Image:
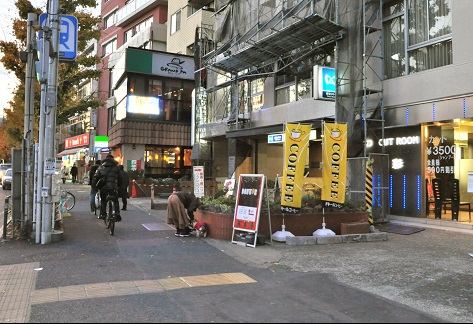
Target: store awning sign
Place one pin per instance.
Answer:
(296, 147)
(334, 158)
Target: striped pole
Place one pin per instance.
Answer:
(369, 190)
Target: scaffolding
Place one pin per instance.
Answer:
(255, 39)
(260, 38)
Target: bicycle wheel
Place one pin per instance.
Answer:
(108, 220)
(97, 204)
(70, 200)
(112, 227)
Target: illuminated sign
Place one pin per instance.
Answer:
(276, 138)
(143, 105)
(405, 140)
(325, 82)
(76, 141)
(397, 164)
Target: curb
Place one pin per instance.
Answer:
(336, 239)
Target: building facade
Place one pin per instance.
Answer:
(148, 86)
(402, 88)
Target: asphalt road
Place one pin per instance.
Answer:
(424, 277)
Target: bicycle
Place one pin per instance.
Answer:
(68, 198)
(98, 201)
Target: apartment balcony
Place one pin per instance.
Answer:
(136, 9)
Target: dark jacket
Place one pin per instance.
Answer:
(92, 171)
(190, 202)
(108, 169)
(123, 189)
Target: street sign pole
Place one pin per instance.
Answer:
(27, 161)
(43, 79)
(51, 110)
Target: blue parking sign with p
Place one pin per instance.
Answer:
(67, 36)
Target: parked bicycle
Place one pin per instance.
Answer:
(68, 198)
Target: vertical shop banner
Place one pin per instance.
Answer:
(248, 202)
(334, 159)
(199, 181)
(295, 155)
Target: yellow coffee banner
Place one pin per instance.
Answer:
(296, 147)
(334, 171)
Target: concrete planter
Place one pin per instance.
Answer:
(221, 225)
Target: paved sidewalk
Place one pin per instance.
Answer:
(430, 271)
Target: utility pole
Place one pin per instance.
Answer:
(27, 161)
(47, 156)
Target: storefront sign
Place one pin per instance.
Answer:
(248, 202)
(295, 155)
(390, 141)
(163, 64)
(275, 138)
(198, 181)
(133, 165)
(76, 141)
(334, 157)
(440, 151)
(325, 82)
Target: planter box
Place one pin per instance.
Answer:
(221, 225)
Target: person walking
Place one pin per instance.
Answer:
(93, 189)
(74, 172)
(123, 189)
(64, 174)
(108, 171)
(181, 207)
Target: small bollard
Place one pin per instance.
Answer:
(5, 216)
(152, 196)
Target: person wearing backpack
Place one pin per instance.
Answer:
(108, 174)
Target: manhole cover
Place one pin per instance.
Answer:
(157, 227)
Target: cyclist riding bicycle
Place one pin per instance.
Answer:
(110, 174)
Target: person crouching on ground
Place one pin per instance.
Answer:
(181, 207)
(109, 172)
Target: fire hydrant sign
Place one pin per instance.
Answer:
(199, 181)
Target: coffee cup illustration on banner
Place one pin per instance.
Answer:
(297, 133)
(335, 133)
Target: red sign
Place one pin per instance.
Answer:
(76, 141)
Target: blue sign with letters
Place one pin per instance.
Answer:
(67, 36)
(276, 138)
(325, 82)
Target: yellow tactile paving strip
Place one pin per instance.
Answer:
(17, 289)
(120, 288)
(16, 283)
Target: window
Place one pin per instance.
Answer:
(138, 28)
(162, 162)
(175, 22)
(109, 47)
(172, 98)
(109, 20)
(427, 42)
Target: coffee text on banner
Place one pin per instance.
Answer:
(295, 155)
(334, 171)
